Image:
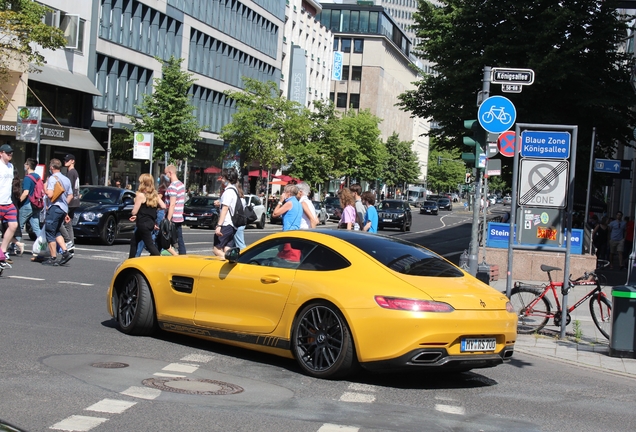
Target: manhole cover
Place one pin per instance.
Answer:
(109, 365)
(192, 386)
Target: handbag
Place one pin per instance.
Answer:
(58, 190)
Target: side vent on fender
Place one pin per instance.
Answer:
(182, 284)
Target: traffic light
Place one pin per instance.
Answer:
(467, 178)
(477, 141)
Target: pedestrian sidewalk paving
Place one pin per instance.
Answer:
(590, 349)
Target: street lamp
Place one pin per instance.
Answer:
(110, 122)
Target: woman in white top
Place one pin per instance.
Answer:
(309, 220)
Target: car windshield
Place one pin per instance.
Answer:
(102, 196)
(391, 205)
(201, 202)
(443, 200)
(429, 203)
(404, 257)
(332, 201)
(316, 205)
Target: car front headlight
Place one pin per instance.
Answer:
(91, 216)
(400, 216)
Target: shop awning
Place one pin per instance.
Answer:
(78, 139)
(63, 78)
(257, 173)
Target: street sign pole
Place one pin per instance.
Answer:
(473, 256)
(589, 178)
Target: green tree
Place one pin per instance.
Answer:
(402, 164)
(446, 176)
(361, 154)
(168, 113)
(22, 34)
(263, 125)
(581, 77)
(312, 157)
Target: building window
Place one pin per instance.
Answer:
(358, 45)
(354, 101)
(341, 102)
(332, 96)
(69, 24)
(346, 45)
(345, 73)
(336, 42)
(356, 73)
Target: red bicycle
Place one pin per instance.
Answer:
(534, 308)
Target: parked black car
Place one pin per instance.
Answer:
(334, 210)
(104, 213)
(429, 207)
(394, 214)
(445, 204)
(199, 211)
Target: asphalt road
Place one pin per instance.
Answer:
(55, 332)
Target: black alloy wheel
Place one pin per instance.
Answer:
(135, 307)
(109, 231)
(321, 341)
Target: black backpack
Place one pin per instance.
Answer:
(238, 216)
(167, 234)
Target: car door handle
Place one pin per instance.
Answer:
(269, 279)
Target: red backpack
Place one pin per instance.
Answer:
(37, 196)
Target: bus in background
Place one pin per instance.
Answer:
(415, 195)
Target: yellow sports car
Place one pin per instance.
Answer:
(331, 299)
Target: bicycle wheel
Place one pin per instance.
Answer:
(533, 313)
(601, 311)
(488, 117)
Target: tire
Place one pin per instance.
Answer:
(322, 343)
(534, 320)
(408, 228)
(135, 306)
(403, 227)
(601, 311)
(261, 224)
(109, 231)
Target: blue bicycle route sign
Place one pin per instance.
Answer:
(497, 114)
(611, 166)
(545, 144)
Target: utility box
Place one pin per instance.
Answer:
(623, 337)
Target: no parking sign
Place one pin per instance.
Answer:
(506, 143)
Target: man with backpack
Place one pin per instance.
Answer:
(231, 212)
(32, 199)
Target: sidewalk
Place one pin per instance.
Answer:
(591, 349)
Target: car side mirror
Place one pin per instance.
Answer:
(128, 201)
(232, 255)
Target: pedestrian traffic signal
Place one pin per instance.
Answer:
(477, 140)
(467, 178)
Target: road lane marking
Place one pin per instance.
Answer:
(75, 283)
(198, 358)
(181, 367)
(77, 423)
(357, 397)
(328, 427)
(450, 409)
(27, 278)
(362, 387)
(165, 375)
(111, 406)
(142, 392)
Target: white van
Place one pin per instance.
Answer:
(415, 195)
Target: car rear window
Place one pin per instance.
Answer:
(405, 257)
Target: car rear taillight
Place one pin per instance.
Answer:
(412, 305)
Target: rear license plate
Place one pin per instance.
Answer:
(387, 220)
(483, 344)
(190, 218)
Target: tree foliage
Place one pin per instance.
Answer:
(402, 164)
(361, 154)
(263, 124)
(169, 114)
(581, 77)
(22, 34)
(445, 176)
(312, 157)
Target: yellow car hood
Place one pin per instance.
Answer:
(462, 293)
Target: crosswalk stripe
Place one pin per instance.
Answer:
(112, 406)
(77, 423)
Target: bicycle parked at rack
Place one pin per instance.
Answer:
(534, 308)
